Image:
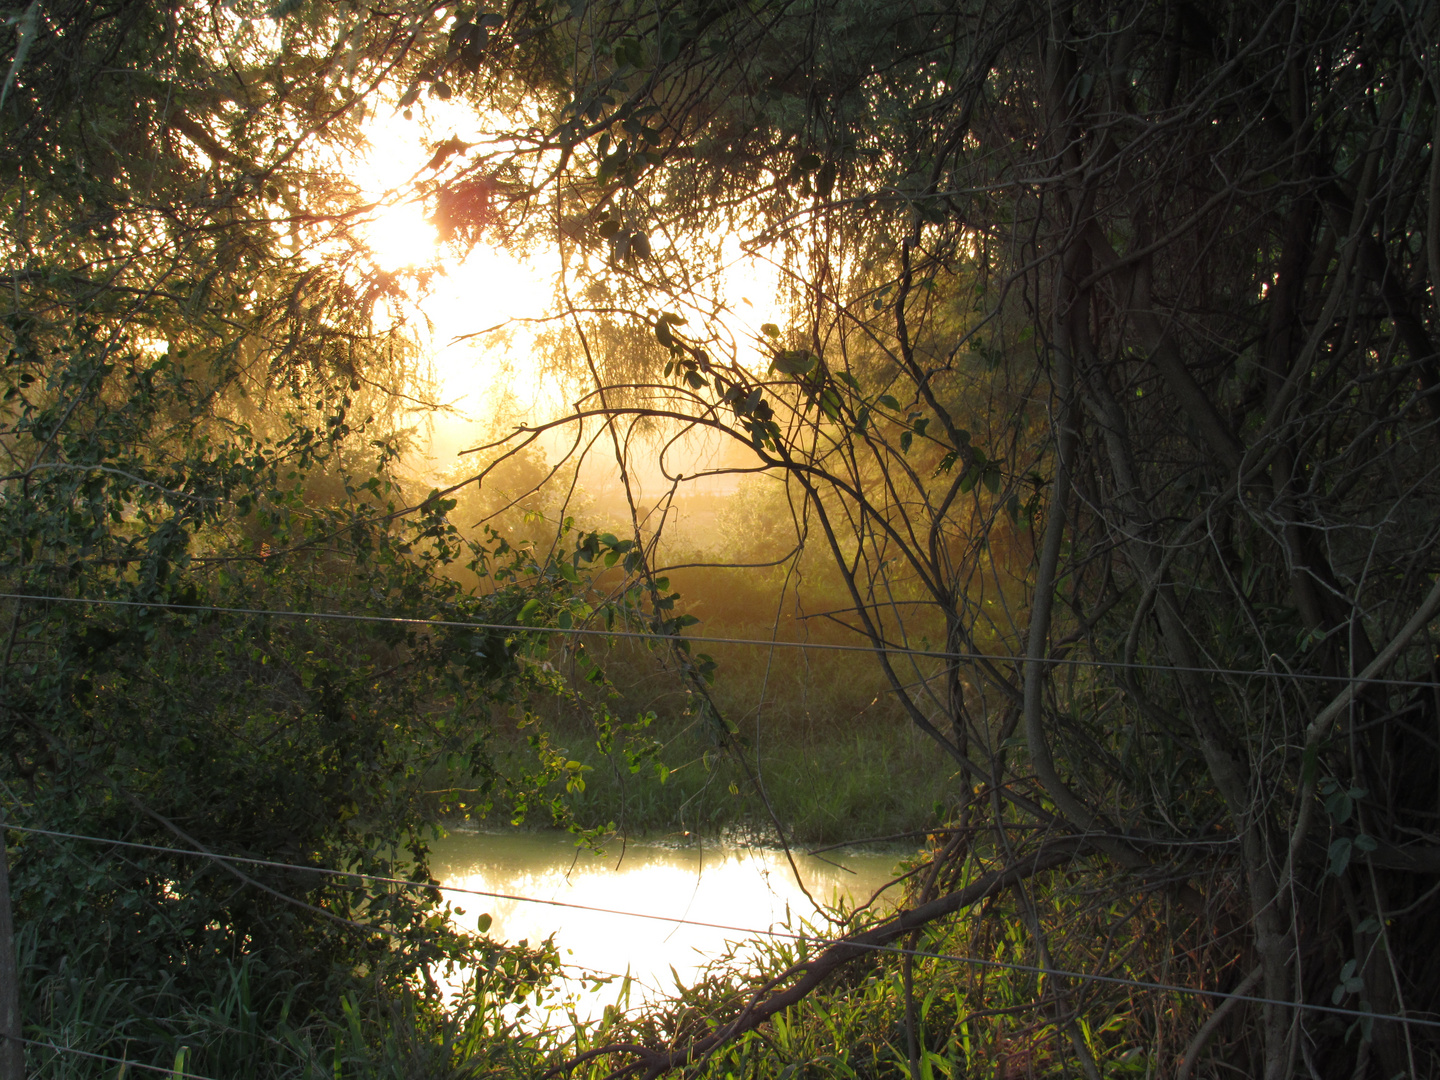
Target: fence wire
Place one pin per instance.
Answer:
(753, 932)
(813, 646)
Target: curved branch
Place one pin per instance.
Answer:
(780, 993)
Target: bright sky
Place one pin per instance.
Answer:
(472, 320)
(490, 290)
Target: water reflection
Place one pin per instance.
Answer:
(733, 888)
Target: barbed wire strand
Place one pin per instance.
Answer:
(976, 961)
(817, 646)
(169, 1070)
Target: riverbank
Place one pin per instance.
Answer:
(813, 746)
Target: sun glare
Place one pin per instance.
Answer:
(479, 316)
(400, 237)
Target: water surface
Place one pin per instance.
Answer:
(733, 888)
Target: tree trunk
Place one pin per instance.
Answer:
(12, 1051)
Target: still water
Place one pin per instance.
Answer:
(733, 887)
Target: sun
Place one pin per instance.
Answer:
(400, 237)
(475, 309)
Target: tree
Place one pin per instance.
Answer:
(1113, 328)
(199, 428)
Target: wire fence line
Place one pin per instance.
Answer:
(814, 646)
(180, 1073)
(753, 932)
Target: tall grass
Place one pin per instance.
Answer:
(242, 1030)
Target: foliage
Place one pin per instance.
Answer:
(1111, 349)
(1108, 373)
(202, 413)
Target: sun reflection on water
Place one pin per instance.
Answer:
(727, 886)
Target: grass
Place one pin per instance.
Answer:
(815, 736)
(871, 784)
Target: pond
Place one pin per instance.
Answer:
(733, 889)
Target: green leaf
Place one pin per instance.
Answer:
(889, 402)
(528, 613)
(905, 439)
(769, 329)
(1339, 856)
(794, 361)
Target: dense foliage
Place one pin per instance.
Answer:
(1113, 349)
(203, 409)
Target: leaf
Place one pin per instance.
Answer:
(906, 437)
(825, 180)
(769, 329)
(1339, 856)
(482, 924)
(663, 335)
(794, 361)
(528, 612)
(608, 228)
(445, 150)
(889, 402)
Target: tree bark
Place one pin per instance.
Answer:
(12, 1051)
